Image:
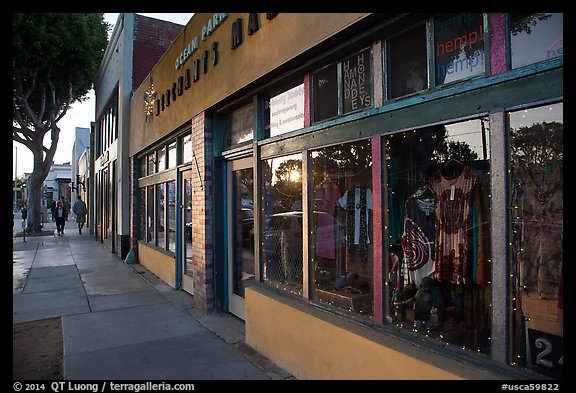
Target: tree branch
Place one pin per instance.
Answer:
(18, 138)
(68, 102)
(26, 106)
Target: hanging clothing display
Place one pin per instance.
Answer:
(357, 201)
(480, 230)
(417, 239)
(452, 209)
(541, 206)
(326, 196)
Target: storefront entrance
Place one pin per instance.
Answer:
(240, 232)
(186, 256)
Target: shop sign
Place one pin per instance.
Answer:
(161, 101)
(287, 111)
(357, 82)
(459, 46)
(207, 30)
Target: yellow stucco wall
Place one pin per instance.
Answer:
(311, 344)
(276, 42)
(160, 264)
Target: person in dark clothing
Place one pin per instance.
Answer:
(61, 216)
(79, 209)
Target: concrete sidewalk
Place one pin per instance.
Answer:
(120, 321)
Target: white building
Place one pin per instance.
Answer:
(80, 144)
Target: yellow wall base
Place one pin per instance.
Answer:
(312, 344)
(162, 265)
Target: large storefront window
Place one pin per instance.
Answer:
(160, 224)
(150, 235)
(282, 225)
(537, 160)
(142, 213)
(438, 226)
(535, 37)
(458, 46)
(171, 224)
(342, 226)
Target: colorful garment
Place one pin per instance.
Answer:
(357, 201)
(540, 204)
(417, 239)
(452, 201)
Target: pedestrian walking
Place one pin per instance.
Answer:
(61, 217)
(79, 209)
(24, 212)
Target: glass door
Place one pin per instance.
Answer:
(187, 259)
(240, 233)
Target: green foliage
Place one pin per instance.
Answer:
(57, 48)
(537, 145)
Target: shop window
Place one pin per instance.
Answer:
(161, 159)
(537, 167)
(172, 155)
(341, 197)
(458, 46)
(151, 159)
(160, 222)
(141, 167)
(326, 93)
(150, 234)
(286, 111)
(141, 206)
(438, 228)
(282, 225)
(186, 148)
(240, 126)
(357, 81)
(171, 223)
(108, 125)
(535, 37)
(408, 69)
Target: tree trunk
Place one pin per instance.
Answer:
(35, 187)
(35, 193)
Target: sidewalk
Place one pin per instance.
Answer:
(120, 321)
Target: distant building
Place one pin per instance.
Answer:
(80, 143)
(57, 184)
(82, 181)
